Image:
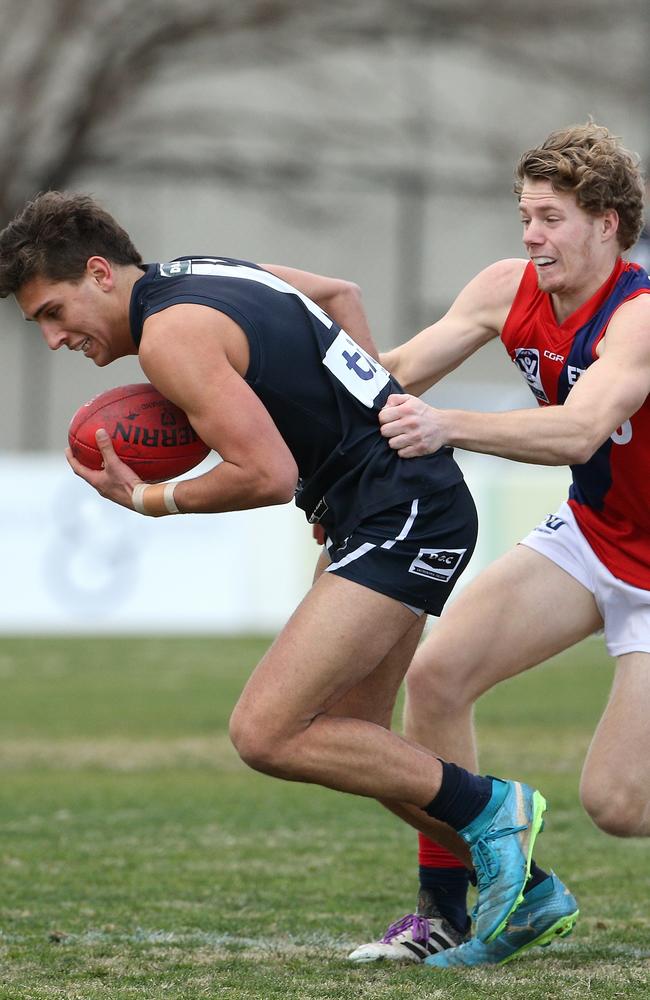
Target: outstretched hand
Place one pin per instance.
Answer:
(411, 427)
(115, 481)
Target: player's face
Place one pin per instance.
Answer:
(72, 314)
(564, 242)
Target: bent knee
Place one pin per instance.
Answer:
(436, 688)
(257, 747)
(615, 809)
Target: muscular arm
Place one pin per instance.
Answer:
(610, 392)
(194, 371)
(476, 317)
(185, 354)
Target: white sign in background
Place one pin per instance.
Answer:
(75, 563)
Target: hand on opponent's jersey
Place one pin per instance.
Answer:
(411, 427)
(115, 481)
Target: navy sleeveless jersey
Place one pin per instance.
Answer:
(322, 390)
(610, 494)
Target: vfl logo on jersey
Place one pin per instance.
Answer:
(175, 268)
(437, 564)
(527, 361)
(361, 375)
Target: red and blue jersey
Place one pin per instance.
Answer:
(610, 494)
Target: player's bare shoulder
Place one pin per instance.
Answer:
(486, 300)
(629, 327)
(635, 311)
(492, 292)
(198, 331)
(505, 276)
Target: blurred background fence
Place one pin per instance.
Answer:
(373, 141)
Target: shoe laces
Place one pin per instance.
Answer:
(417, 925)
(486, 863)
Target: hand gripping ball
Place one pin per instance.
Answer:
(149, 433)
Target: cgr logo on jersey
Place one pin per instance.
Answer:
(175, 268)
(437, 564)
(527, 361)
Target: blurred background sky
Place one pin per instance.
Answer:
(371, 140)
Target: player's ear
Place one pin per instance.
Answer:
(609, 222)
(101, 271)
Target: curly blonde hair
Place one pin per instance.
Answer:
(589, 162)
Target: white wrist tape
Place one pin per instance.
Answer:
(137, 497)
(161, 499)
(168, 499)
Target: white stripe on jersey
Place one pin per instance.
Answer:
(212, 266)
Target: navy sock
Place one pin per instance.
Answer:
(536, 876)
(461, 798)
(448, 886)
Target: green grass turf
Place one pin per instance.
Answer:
(139, 858)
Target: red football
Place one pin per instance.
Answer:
(149, 433)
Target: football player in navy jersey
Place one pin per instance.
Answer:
(574, 316)
(277, 372)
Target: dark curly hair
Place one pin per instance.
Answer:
(53, 237)
(590, 162)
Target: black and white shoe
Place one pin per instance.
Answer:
(412, 939)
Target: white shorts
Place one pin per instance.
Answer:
(625, 609)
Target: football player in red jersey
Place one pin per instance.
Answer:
(575, 317)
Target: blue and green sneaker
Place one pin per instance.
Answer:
(547, 912)
(501, 840)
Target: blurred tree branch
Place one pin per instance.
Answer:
(81, 82)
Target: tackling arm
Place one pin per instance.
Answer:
(610, 391)
(476, 317)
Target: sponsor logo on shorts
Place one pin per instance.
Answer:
(437, 564)
(527, 361)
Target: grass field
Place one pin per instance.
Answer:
(138, 858)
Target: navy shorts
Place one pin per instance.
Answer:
(414, 552)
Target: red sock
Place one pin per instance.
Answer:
(432, 855)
